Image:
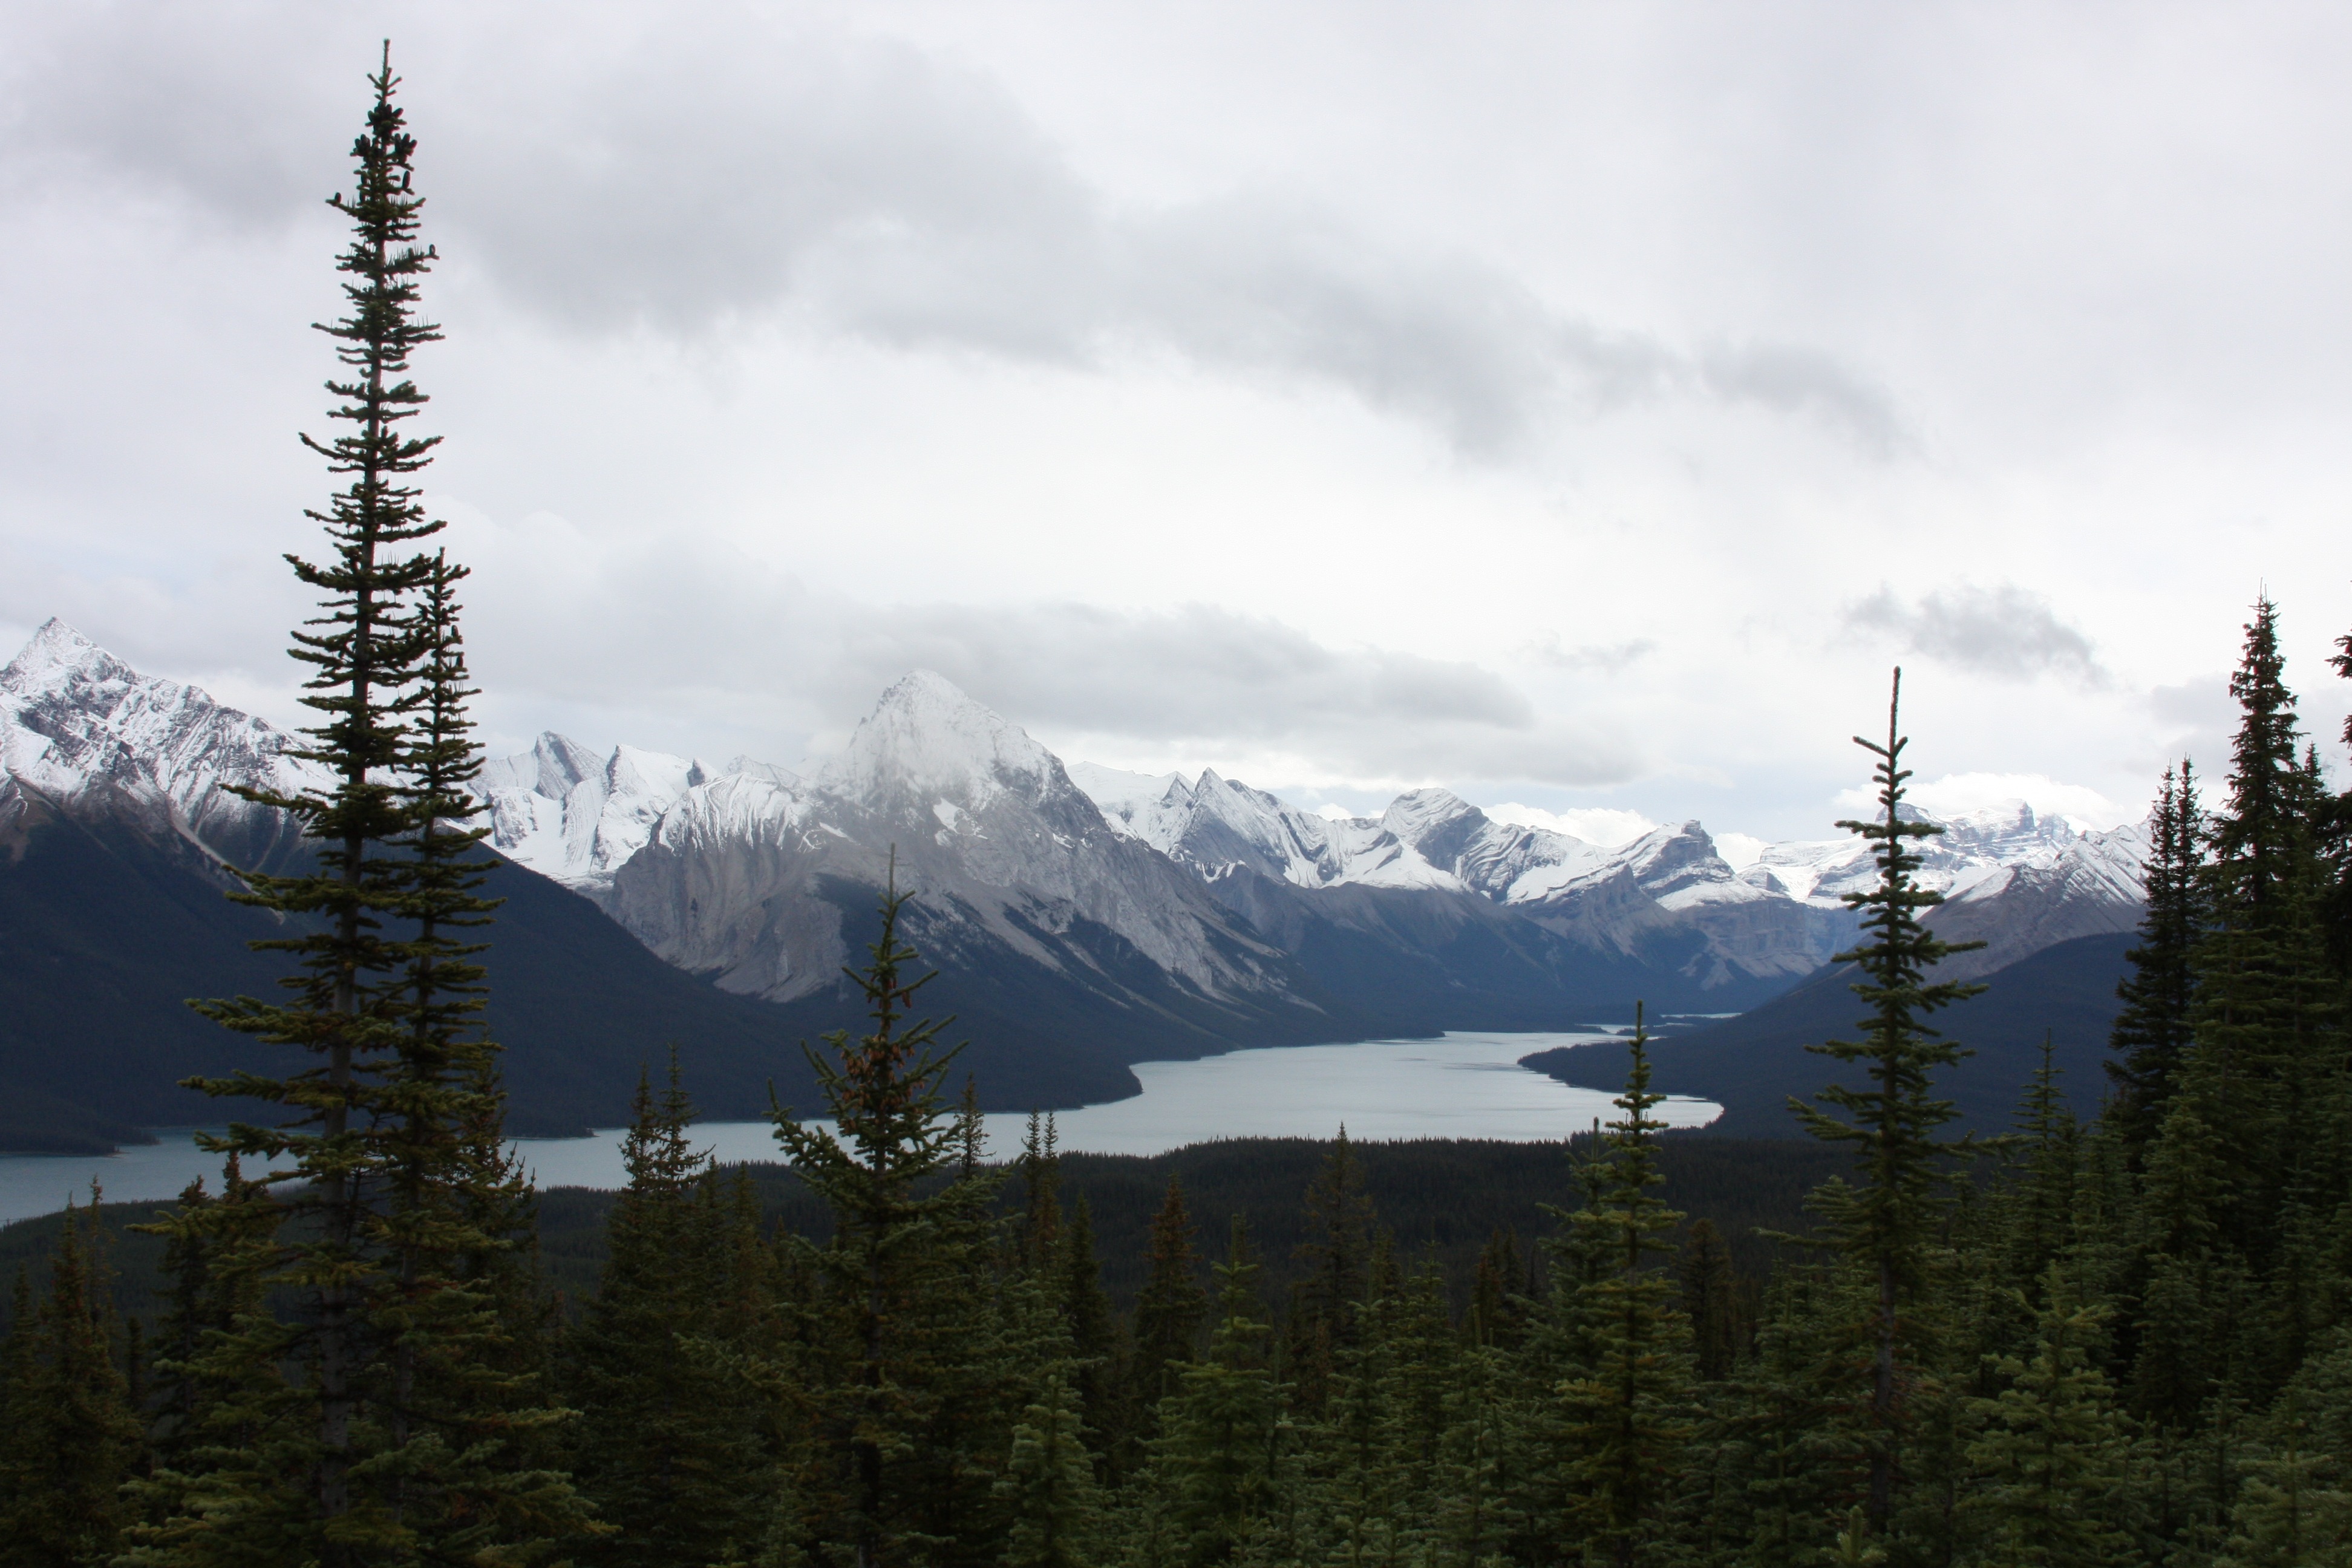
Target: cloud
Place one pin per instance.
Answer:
(1790, 380)
(724, 169)
(1594, 825)
(693, 635)
(1612, 658)
(1740, 850)
(2007, 632)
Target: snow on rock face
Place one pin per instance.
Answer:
(1783, 914)
(1216, 825)
(576, 818)
(79, 727)
(741, 877)
(1975, 850)
(1122, 795)
(925, 738)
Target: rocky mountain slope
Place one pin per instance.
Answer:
(2015, 881)
(1080, 919)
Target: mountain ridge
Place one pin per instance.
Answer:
(1079, 920)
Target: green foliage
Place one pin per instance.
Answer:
(67, 1429)
(2052, 1459)
(1627, 1410)
(1168, 1310)
(669, 1449)
(2152, 1032)
(1223, 1460)
(1885, 1222)
(909, 1380)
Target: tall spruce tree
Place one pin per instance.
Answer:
(1220, 1464)
(1049, 1484)
(462, 1412)
(1097, 1369)
(68, 1430)
(1628, 1416)
(348, 1007)
(398, 1435)
(2265, 1068)
(1711, 1301)
(1328, 1300)
(1885, 1220)
(902, 1306)
(2151, 1033)
(1170, 1308)
(2051, 1453)
(669, 1449)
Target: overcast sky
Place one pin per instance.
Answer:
(1578, 406)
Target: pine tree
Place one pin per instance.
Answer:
(1097, 1373)
(1326, 1303)
(2264, 1056)
(1473, 1516)
(1169, 1309)
(1789, 1416)
(2052, 1451)
(1048, 1485)
(461, 1414)
(1350, 1469)
(1220, 1464)
(2294, 1510)
(2034, 1214)
(192, 1309)
(1627, 1417)
(1500, 1287)
(1040, 1167)
(1885, 1222)
(668, 1452)
(346, 1008)
(373, 1449)
(905, 1307)
(1421, 1374)
(1710, 1301)
(70, 1430)
(2151, 1033)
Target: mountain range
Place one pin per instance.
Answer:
(1080, 919)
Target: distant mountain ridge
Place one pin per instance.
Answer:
(1081, 919)
(2020, 880)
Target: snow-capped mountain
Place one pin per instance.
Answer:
(565, 814)
(1618, 899)
(82, 732)
(2016, 881)
(1175, 914)
(767, 880)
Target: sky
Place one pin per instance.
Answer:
(1581, 406)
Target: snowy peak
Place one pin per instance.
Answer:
(1126, 798)
(59, 658)
(79, 727)
(1439, 825)
(1979, 849)
(550, 769)
(926, 738)
(578, 819)
(1217, 826)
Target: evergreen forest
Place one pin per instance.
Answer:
(2123, 1340)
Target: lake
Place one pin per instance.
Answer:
(1458, 1086)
